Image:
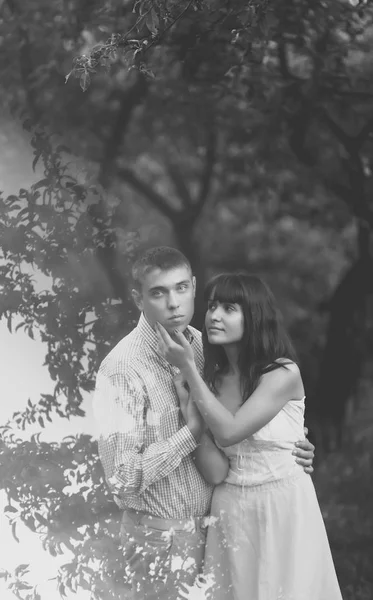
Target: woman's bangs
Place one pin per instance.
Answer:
(226, 289)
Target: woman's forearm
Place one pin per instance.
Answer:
(210, 461)
(218, 419)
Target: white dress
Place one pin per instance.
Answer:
(267, 539)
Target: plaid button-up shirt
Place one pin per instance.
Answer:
(144, 445)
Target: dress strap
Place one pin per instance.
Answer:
(298, 399)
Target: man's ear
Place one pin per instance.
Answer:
(137, 298)
(194, 283)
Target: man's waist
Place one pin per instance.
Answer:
(188, 525)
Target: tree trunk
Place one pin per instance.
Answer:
(343, 357)
(188, 246)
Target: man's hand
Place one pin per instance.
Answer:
(175, 349)
(305, 452)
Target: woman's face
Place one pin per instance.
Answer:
(224, 322)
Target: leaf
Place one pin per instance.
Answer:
(14, 527)
(85, 80)
(84, 584)
(41, 422)
(35, 161)
(62, 590)
(21, 569)
(9, 508)
(152, 22)
(11, 199)
(42, 183)
(23, 586)
(24, 211)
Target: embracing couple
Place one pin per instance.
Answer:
(203, 445)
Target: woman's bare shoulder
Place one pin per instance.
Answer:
(288, 376)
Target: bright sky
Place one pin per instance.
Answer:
(23, 376)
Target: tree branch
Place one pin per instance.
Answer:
(339, 190)
(207, 173)
(179, 183)
(332, 90)
(283, 62)
(158, 201)
(339, 133)
(364, 132)
(25, 58)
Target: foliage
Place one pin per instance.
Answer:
(84, 521)
(65, 231)
(345, 493)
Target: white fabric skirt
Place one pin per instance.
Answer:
(268, 542)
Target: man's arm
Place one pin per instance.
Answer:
(305, 453)
(119, 409)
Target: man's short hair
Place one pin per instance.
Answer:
(159, 257)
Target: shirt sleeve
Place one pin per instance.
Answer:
(119, 410)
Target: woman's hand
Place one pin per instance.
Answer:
(189, 410)
(176, 349)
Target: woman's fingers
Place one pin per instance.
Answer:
(162, 333)
(305, 445)
(180, 338)
(304, 454)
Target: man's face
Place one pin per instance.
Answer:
(167, 297)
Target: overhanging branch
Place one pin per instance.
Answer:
(158, 201)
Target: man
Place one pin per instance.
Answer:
(145, 446)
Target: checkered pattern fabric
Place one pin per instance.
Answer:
(144, 445)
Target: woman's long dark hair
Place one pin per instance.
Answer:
(264, 339)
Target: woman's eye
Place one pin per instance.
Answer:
(230, 308)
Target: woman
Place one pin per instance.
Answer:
(268, 539)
